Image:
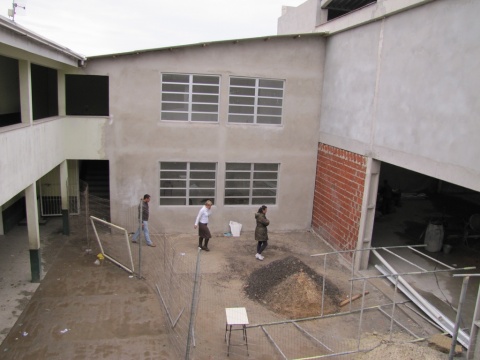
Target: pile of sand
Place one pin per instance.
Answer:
(292, 289)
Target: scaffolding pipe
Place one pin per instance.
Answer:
(407, 261)
(434, 324)
(399, 324)
(173, 323)
(192, 308)
(351, 283)
(413, 273)
(457, 320)
(274, 343)
(311, 336)
(320, 317)
(361, 316)
(431, 258)
(368, 249)
(429, 309)
(323, 282)
(475, 322)
(393, 307)
(330, 355)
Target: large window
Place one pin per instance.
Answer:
(9, 92)
(44, 92)
(251, 184)
(184, 183)
(190, 97)
(255, 101)
(87, 95)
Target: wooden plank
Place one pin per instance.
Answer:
(354, 297)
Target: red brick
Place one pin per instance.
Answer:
(338, 196)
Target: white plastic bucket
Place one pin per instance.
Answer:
(434, 237)
(235, 228)
(447, 248)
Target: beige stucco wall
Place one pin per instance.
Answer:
(136, 140)
(405, 91)
(27, 154)
(31, 151)
(302, 18)
(84, 137)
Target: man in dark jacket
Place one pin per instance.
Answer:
(143, 214)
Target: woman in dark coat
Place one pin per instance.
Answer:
(261, 232)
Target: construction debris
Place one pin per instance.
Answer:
(431, 311)
(443, 343)
(354, 297)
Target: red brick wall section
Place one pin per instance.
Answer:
(339, 187)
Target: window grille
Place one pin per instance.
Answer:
(251, 184)
(187, 97)
(187, 183)
(255, 101)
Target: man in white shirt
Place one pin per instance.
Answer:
(202, 223)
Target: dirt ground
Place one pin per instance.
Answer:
(288, 285)
(82, 310)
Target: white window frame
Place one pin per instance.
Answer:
(255, 100)
(186, 179)
(198, 103)
(253, 175)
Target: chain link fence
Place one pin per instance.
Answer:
(194, 294)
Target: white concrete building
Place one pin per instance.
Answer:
(400, 84)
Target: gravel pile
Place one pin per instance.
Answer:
(290, 282)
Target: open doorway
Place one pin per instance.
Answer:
(96, 174)
(417, 204)
(407, 202)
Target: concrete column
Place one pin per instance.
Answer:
(367, 218)
(25, 76)
(2, 231)
(61, 93)
(33, 232)
(321, 16)
(64, 194)
(474, 348)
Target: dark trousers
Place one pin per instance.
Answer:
(261, 245)
(200, 242)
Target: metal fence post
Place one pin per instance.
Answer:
(139, 240)
(192, 308)
(458, 319)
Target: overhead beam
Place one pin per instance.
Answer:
(325, 3)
